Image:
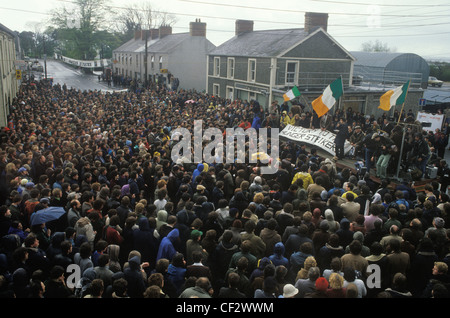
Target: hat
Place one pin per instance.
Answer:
(196, 233)
(321, 284)
(29, 185)
(45, 200)
(358, 127)
(439, 222)
(200, 187)
(289, 290)
(22, 169)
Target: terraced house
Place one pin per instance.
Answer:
(263, 65)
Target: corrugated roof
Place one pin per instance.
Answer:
(265, 43)
(375, 59)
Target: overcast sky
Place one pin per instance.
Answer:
(405, 26)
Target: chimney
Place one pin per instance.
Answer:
(315, 20)
(144, 33)
(197, 28)
(154, 33)
(164, 30)
(243, 26)
(137, 34)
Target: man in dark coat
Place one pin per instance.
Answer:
(341, 131)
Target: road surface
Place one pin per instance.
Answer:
(74, 78)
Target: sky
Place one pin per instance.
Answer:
(404, 26)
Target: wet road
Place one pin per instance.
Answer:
(74, 78)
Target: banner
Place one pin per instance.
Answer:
(430, 121)
(315, 137)
(83, 63)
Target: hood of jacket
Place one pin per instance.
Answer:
(200, 167)
(173, 235)
(162, 216)
(279, 248)
(58, 238)
(135, 263)
(345, 224)
(143, 224)
(113, 251)
(329, 216)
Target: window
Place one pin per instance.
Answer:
(160, 62)
(230, 68)
(291, 73)
(216, 90)
(230, 93)
(153, 62)
(251, 70)
(216, 66)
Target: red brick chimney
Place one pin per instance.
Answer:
(242, 26)
(315, 20)
(137, 34)
(164, 30)
(197, 28)
(144, 33)
(154, 33)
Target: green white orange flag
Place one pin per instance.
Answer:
(330, 95)
(394, 97)
(291, 94)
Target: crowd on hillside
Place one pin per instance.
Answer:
(140, 225)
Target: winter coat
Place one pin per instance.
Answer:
(166, 247)
(270, 238)
(145, 242)
(134, 278)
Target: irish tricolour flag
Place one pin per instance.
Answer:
(394, 97)
(330, 95)
(291, 94)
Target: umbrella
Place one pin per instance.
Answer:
(47, 215)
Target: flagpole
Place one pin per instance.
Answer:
(403, 105)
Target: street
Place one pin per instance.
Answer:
(74, 78)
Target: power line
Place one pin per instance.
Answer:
(382, 5)
(302, 11)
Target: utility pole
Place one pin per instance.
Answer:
(145, 59)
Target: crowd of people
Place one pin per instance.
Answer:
(140, 225)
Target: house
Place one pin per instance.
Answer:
(174, 60)
(9, 85)
(263, 65)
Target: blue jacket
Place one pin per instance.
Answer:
(166, 247)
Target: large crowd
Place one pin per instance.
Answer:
(137, 223)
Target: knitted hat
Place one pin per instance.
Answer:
(321, 284)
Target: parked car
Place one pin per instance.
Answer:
(433, 81)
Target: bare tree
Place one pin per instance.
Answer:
(141, 16)
(376, 46)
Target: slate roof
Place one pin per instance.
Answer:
(266, 43)
(163, 45)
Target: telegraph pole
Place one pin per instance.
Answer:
(145, 58)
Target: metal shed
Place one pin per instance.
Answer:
(385, 68)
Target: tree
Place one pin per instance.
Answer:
(376, 46)
(78, 25)
(141, 16)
